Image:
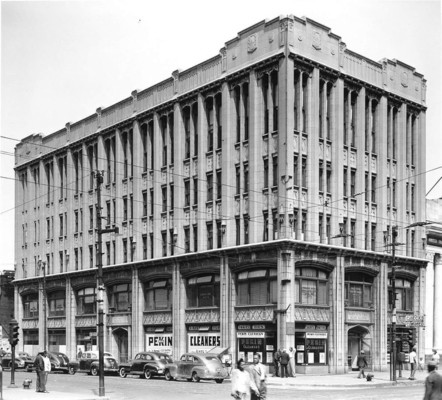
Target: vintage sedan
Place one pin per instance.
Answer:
(89, 363)
(59, 362)
(196, 366)
(22, 361)
(145, 364)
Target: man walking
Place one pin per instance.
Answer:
(276, 359)
(285, 358)
(41, 369)
(258, 376)
(433, 383)
(413, 363)
(362, 364)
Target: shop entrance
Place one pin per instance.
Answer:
(121, 339)
(359, 338)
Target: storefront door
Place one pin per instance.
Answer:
(358, 339)
(121, 339)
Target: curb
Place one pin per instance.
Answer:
(349, 385)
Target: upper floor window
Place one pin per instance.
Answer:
(86, 301)
(57, 303)
(257, 287)
(404, 290)
(311, 286)
(203, 291)
(158, 295)
(358, 290)
(120, 296)
(30, 305)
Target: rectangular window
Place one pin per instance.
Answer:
(195, 129)
(219, 122)
(373, 237)
(124, 208)
(61, 258)
(172, 197)
(164, 199)
(151, 245)
(144, 204)
(321, 176)
(209, 112)
(413, 200)
(295, 170)
(238, 113)
(209, 236)
(219, 185)
(246, 230)
(61, 225)
(186, 118)
(91, 256)
(219, 235)
(164, 243)
(265, 235)
(352, 233)
(195, 238)
(345, 178)
(76, 220)
(246, 110)
(275, 171)
(352, 183)
(151, 202)
(266, 173)
(373, 188)
(367, 187)
(393, 194)
(321, 227)
(163, 125)
(195, 191)
(304, 172)
(237, 231)
(238, 180)
(108, 253)
(209, 187)
(328, 179)
(91, 217)
(186, 240)
(246, 178)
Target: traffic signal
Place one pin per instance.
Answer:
(15, 334)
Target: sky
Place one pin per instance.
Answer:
(61, 60)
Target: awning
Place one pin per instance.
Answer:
(219, 350)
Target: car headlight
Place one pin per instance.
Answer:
(160, 370)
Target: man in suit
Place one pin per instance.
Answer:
(41, 373)
(276, 359)
(362, 364)
(258, 375)
(433, 383)
(285, 358)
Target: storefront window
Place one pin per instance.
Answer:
(86, 339)
(30, 305)
(257, 287)
(311, 344)
(311, 286)
(57, 340)
(57, 303)
(30, 337)
(158, 295)
(203, 291)
(120, 297)
(86, 301)
(358, 290)
(404, 290)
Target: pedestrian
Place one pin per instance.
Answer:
(40, 368)
(433, 383)
(362, 364)
(413, 364)
(436, 358)
(276, 359)
(292, 353)
(258, 375)
(420, 367)
(80, 353)
(242, 383)
(285, 358)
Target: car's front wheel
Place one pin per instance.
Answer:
(219, 380)
(72, 370)
(168, 375)
(147, 374)
(122, 372)
(195, 377)
(94, 371)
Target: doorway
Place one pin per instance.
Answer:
(121, 339)
(359, 338)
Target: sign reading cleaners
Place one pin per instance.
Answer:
(161, 342)
(202, 342)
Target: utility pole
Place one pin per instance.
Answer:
(42, 264)
(100, 324)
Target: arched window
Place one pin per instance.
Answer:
(404, 290)
(86, 301)
(158, 295)
(257, 287)
(57, 303)
(311, 286)
(120, 297)
(203, 291)
(30, 305)
(358, 289)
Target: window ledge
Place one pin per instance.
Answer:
(202, 308)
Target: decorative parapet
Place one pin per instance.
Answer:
(56, 322)
(30, 323)
(264, 313)
(303, 313)
(204, 315)
(157, 318)
(86, 321)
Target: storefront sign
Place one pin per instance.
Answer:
(244, 327)
(415, 320)
(316, 335)
(260, 327)
(358, 316)
(203, 342)
(250, 334)
(159, 342)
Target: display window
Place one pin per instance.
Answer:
(203, 338)
(159, 339)
(256, 338)
(311, 342)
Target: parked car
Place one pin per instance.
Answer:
(89, 363)
(196, 366)
(145, 364)
(59, 362)
(22, 361)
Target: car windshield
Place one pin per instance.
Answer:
(164, 357)
(108, 355)
(212, 358)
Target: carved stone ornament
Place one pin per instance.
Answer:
(404, 79)
(252, 43)
(233, 54)
(416, 86)
(300, 38)
(317, 40)
(271, 37)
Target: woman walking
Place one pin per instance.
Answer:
(241, 382)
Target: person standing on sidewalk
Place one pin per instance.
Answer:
(436, 358)
(285, 358)
(242, 382)
(40, 368)
(292, 353)
(433, 383)
(276, 359)
(413, 363)
(258, 375)
(362, 364)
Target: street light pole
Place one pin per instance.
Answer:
(42, 265)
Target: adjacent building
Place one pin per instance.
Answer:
(255, 196)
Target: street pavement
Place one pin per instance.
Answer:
(64, 390)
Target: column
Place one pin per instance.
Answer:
(179, 339)
(156, 184)
(437, 312)
(362, 206)
(137, 192)
(381, 165)
(119, 175)
(177, 178)
(202, 176)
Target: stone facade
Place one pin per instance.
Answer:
(255, 194)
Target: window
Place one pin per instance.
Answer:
(187, 132)
(91, 257)
(61, 225)
(257, 287)
(144, 247)
(328, 179)
(373, 188)
(321, 176)
(144, 143)
(151, 201)
(195, 238)
(209, 236)
(373, 237)
(30, 305)
(304, 172)
(219, 121)
(164, 243)
(238, 180)
(57, 303)
(163, 125)
(219, 185)
(195, 191)
(131, 204)
(265, 235)
(195, 129)
(164, 199)
(124, 208)
(120, 297)
(203, 291)
(125, 250)
(266, 173)
(158, 295)
(238, 231)
(91, 217)
(246, 178)
(144, 204)
(352, 183)
(238, 115)
(311, 286)
(61, 258)
(246, 229)
(404, 290)
(275, 171)
(246, 110)
(295, 170)
(186, 240)
(209, 112)
(345, 181)
(86, 301)
(209, 187)
(358, 290)
(108, 253)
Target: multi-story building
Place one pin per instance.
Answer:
(255, 194)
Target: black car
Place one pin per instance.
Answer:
(89, 363)
(22, 361)
(145, 364)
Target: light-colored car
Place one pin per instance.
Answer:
(196, 366)
(89, 363)
(22, 360)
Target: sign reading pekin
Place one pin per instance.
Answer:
(159, 342)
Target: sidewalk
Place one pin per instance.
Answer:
(348, 380)
(30, 394)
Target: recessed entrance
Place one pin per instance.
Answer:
(359, 338)
(120, 337)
